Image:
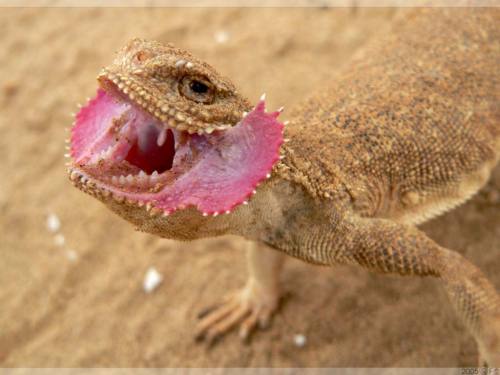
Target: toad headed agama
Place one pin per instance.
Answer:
(409, 130)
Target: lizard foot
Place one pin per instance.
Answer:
(250, 307)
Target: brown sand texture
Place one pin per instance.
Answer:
(71, 295)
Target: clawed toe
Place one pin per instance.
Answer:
(249, 325)
(243, 310)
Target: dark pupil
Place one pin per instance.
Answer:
(198, 87)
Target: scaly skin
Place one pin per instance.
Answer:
(149, 72)
(409, 131)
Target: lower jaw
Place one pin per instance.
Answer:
(95, 188)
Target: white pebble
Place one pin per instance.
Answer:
(151, 280)
(221, 36)
(299, 340)
(59, 240)
(53, 223)
(71, 255)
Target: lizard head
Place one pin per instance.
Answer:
(165, 132)
(178, 89)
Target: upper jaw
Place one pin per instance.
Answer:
(176, 114)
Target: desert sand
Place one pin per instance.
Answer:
(73, 296)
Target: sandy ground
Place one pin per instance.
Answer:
(82, 303)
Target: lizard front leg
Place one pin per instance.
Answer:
(388, 247)
(254, 304)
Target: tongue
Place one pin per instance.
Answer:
(152, 151)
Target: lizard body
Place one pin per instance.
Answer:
(409, 131)
(407, 138)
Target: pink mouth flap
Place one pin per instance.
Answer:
(93, 126)
(230, 171)
(231, 165)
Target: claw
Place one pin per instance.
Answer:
(207, 310)
(225, 324)
(248, 325)
(248, 309)
(264, 321)
(212, 318)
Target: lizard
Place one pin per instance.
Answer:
(409, 130)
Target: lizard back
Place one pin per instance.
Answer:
(412, 128)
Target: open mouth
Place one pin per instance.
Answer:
(121, 150)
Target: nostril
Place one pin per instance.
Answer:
(142, 56)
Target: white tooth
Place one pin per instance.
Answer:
(154, 175)
(205, 214)
(122, 180)
(245, 202)
(130, 179)
(286, 122)
(200, 132)
(142, 174)
(263, 96)
(180, 63)
(162, 137)
(189, 64)
(209, 130)
(245, 113)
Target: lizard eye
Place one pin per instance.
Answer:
(197, 89)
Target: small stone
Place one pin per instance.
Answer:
(53, 223)
(221, 36)
(152, 279)
(299, 340)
